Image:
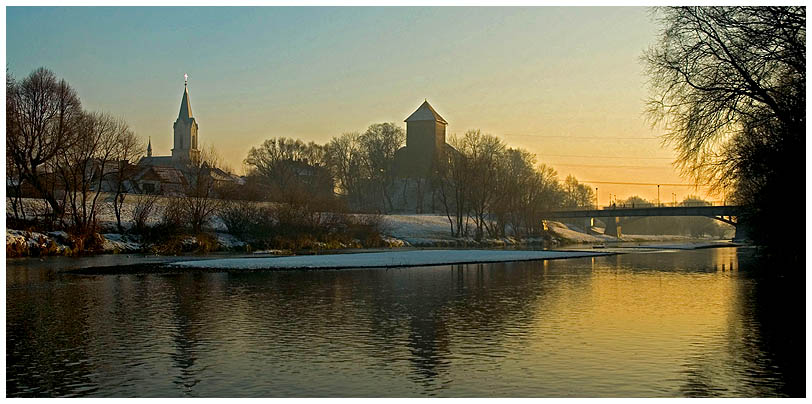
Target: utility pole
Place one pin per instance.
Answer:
(658, 195)
(596, 198)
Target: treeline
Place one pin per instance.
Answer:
(359, 165)
(63, 153)
(488, 189)
(484, 187)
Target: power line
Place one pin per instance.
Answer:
(608, 166)
(644, 183)
(606, 157)
(580, 137)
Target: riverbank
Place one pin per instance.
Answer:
(375, 231)
(397, 231)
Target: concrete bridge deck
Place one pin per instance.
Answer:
(724, 213)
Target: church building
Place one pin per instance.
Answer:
(185, 151)
(171, 174)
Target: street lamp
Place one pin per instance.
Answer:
(596, 198)
(658, 195)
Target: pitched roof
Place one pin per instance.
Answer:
(167, 175)
(425, 113)
(185, 105)
(156, 161)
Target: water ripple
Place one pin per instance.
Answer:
(634, 325)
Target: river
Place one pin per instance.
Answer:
(652, 324)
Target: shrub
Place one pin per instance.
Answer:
(241, 218)
(173, 216)
(143, 207)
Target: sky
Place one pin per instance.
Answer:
(565, 83)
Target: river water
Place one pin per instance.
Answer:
(671, 323)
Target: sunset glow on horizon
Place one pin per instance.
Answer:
(567, 84)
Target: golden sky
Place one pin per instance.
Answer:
(565, 83)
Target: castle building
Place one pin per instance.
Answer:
(425, 138)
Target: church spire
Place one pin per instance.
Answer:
(185, 104)
(149, 147)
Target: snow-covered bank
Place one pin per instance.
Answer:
(21, 243)
(397, 230)
(431, 230)
(573, 234)
(382, 259)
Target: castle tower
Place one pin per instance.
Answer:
(425, 137)
(185, 149)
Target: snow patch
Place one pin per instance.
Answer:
(24, 243)
(229, 242)
(114, 242)
(573, 234)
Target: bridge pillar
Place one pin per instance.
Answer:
(588, 223)
(613, 227)
(742, 233)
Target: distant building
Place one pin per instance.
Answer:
(185, 151)
(172, 174)
(425, 138)
(414, 164)
(160, 180)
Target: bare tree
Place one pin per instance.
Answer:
(517, 187)
(200, 200)
(379, 144)
(729, 83)
(292, 169)
(715, 68)
(345, 160)
(42, 114)
(13, 169)
(127, 147)
(143, 206)
(577, 195)
(85, 166)
(483, 152)
(451, 181)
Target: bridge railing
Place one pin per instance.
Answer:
(655, 205)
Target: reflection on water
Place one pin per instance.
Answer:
(690, 323)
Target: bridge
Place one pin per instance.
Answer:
(724, 213)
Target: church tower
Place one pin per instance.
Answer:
(185, 149)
